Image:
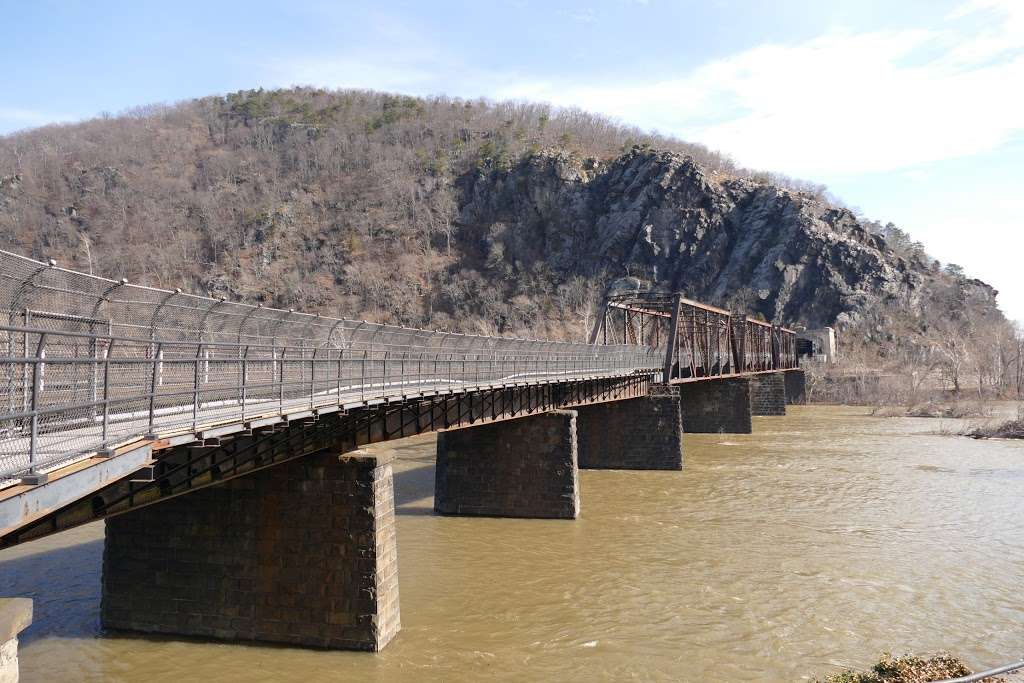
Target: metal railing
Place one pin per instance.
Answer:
(87, 363)
(982, 675)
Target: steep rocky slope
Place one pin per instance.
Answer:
(659, 217)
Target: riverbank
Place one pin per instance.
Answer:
(1013, 429)
(947, 410)
(911, 669)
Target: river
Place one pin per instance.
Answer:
(817, 542)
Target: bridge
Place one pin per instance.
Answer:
(221, 442)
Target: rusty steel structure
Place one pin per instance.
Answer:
(114, 396)
(697, 340)
(88, 363)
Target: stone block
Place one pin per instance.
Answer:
(526, 467)
(712, 406)
(796, 386)
(276, 556)
(636, 434)
(15, 617)
(768, 394)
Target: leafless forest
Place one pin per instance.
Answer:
(304, 198)
(347, 202)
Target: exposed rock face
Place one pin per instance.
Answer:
(660, 217)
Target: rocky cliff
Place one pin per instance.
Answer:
(662, 219)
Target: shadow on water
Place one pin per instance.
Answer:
(413, 486)
(64, 582)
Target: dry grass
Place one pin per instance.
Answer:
(1013, 429)
(907, 669)
(936, 409)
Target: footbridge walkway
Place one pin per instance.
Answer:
(244, 423)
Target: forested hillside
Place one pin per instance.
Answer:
(473, 216)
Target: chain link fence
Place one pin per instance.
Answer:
(88, 363)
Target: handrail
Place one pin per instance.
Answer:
(162, 361)
(982, 675)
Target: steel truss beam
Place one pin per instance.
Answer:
(185, 468)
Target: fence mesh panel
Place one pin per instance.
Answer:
(88, 363)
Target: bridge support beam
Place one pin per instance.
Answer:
(768, 394)
(638, 434)
(302, 553)
(716, 405)
(525, 467)
(796, 386)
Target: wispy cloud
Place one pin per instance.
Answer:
(394, 57)
(840, 103)
(585, 15)
(843, 102)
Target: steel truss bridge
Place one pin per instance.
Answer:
(115, 395)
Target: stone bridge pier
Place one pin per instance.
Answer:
(301, 553)
(304, 552)
(529, 466)
(525, 467)
(768, 394)
(796, 386)
(713, 406)
(638, 434)
(15, 617)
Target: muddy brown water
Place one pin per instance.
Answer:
(816, 543)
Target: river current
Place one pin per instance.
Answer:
(816, 543)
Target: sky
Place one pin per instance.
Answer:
(910, 110)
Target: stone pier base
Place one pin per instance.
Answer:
(525, 467)
(302, 553)
(768, 394)
(15, 617)
(716, 405)
(796, 386)
(638, 434)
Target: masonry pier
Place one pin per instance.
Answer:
(526, 467)
(716, 405)
(302, 553)
(768, 394)
(796, 386)
(638, 434)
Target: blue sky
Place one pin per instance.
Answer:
(912, 111)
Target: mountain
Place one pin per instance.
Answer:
(464, 215)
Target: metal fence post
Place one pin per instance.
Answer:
(245, 379)
(195, 387)
(341, 358)
(280, 389)
(312, 380)
(362, 376)
(156, 362)
(37, 379)
(106, 393)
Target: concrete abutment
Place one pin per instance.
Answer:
(302, 553)
(526, 467)
(15, 617)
